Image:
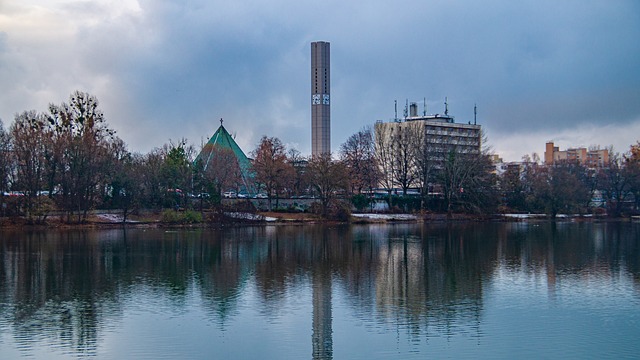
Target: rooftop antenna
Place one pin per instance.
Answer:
(406, 109)
(424, 106)
(446, 106)
(395, 102)
(475, 113)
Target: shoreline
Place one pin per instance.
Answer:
(280, 219)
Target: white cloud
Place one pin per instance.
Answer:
(512, 146)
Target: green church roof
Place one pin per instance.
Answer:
(221, 138)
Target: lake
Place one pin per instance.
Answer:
(396, 291)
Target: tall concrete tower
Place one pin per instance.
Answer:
(320, 99)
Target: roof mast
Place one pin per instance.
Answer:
(395, 104)
(475, 113)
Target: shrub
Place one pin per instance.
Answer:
(360, 202)
(191, 217)
(315, 208)
(170, 216)
(187, 217)
(341, 211)
(43, 206)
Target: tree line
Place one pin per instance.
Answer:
(572, 188)
(463, 179)
(69, 160)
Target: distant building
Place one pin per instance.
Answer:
(498, 163)
(320, 98)
(591, 158)
(221, 139)
(424, 138)
(511, 166)
(439, 132)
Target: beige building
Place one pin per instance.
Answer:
(584, 156)
(439, 132)
(406, 148)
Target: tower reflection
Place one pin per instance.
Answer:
(322, 337)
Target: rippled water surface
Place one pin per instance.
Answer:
(508, 290)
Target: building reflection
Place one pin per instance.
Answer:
(67, 285)
(322, 334)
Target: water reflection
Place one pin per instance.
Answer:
(322, 338)
(66, 289)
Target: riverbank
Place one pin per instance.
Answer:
(150, 219)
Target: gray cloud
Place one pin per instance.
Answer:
(165, 69)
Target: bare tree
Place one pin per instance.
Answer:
(151, 179)
(632, 172)
(480, 192)
(298, 184)
(222, 172)
(125, 173)
(555, 189)
(271, 167)
(81, 129)
(403, 144)
(456, 170)
(468, 182)
(5, 164)
(512, 189)
(384, 156)
(615, 184)
(358, 155)
(426, 161)
(327, 177)
(29, 145)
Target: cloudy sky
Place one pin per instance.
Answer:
(540, 70)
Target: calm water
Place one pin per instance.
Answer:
(512, 290)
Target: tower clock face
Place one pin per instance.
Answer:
(325, 99)
(315, 99)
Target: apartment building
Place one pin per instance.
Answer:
(588, 157)
(439, 133)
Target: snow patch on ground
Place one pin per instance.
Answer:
(248, 216)
(542, 216)
(403, 217)
(113, 218)
(524, 216)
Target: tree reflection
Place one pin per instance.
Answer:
(64, 288)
